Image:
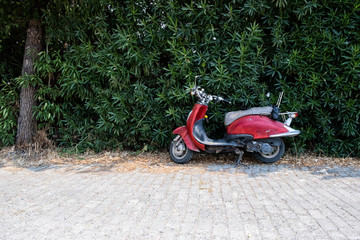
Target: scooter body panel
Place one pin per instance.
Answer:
(183, 132)
(258, 126)
(198, 112)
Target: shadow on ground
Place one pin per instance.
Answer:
(257, 170)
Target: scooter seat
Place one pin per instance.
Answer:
(230, 117)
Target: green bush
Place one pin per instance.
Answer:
(116, 74)
(11, 53)
(8, 107)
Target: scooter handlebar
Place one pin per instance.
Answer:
(222, 99)
(200, 93)
(227, 101)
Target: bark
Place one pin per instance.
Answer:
(26, 122)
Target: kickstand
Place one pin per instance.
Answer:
(241, 153)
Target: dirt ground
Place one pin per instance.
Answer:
(154, 161)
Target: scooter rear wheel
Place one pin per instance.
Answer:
(274, 156)
(179, 152)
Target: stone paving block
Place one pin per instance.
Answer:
(256, 202)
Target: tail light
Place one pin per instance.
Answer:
(294, 115)
(291, 116)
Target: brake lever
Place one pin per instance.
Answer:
(222, 99)
(227, 101)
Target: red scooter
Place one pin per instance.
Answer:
(253, 130)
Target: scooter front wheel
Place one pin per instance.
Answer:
(275, 155)
(179, 152)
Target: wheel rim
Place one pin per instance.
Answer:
(179, 149)
(272, 154)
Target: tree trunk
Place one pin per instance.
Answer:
(26, 122)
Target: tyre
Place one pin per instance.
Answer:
(274, 156)
(179, 152)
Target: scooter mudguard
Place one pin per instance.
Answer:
(183, 132)
(258, 126)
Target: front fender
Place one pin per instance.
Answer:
(183, 132)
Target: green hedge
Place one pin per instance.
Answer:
(12, 38)
(116, 74)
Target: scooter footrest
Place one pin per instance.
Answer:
(200, 136)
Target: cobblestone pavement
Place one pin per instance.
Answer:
(217, 202)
